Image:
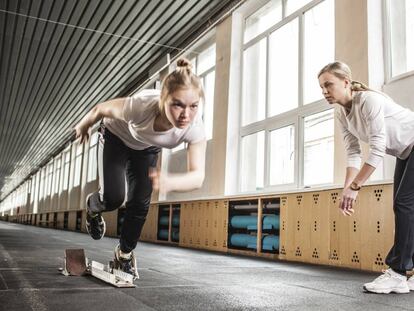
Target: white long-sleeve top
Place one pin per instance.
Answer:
(377, 120)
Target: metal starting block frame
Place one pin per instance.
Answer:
(75, 263)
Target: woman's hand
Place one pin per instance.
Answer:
(160, 182)
(82, 131)
(347, 201)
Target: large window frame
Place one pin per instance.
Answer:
(293, 117)
(388, 48)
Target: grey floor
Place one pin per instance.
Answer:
(172, 278)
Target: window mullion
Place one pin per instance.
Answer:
(267, 109)
(299, 154)
(284, 5)
(300, 61)
(387, 40)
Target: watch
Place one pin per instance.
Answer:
(354, 186)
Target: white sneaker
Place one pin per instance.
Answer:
(389, 282)
(410, 283)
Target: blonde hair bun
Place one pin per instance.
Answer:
(184, 63)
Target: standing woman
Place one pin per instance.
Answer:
(131, 134)
(374, 118)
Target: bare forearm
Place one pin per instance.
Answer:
(351, 172)
(186, 181)
(91, 117)
(364, 173)
(359, 177)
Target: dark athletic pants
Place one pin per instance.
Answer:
(118, 163)
(400, 257)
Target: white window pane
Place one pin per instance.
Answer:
(209, 81)
(79, 150)
(56, 182)
(283, 69)
(78, 166)
(409, 17)
(282, 157)
(319, 148)
(66, 171)
(194, 64)
(252, 162)
(42, 183)
(264, 18)
(254, 83)
(319, 46)
(32, 194)
(293, 5)
(94, 139)
(92, 164)
(50, 179)
(206, 59)
(402, 36)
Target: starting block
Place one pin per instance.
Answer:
(75, 263)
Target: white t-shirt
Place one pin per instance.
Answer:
(137, 131)
(377, 120)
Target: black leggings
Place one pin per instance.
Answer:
(118, 164)
(400, 257)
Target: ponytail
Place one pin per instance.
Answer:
(359, 86)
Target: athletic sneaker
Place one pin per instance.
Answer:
(125, 262)
(95, 224)
(410, 283)
(389, 282)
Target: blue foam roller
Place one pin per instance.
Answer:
(176, 220)
(243, 240)
(243, 222)
(270, 242)
(164, 220)
(163, 234)
(271, 222)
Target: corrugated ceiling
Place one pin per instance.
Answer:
(58, 59)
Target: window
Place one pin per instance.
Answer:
(42, 183)
(282, 108)
(283, 69)
(319, 32)
(293, 5)
(92, 161)
(262, 19)
(282, 156)
(206, 69)
(33, 190)
(49, 178)
(254, 83)
(252, 162)
(400, 22)
(66, 168)
(319, 148)
(78, 165)
(57, 175)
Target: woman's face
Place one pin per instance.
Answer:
(182, 106)
(334, 89)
